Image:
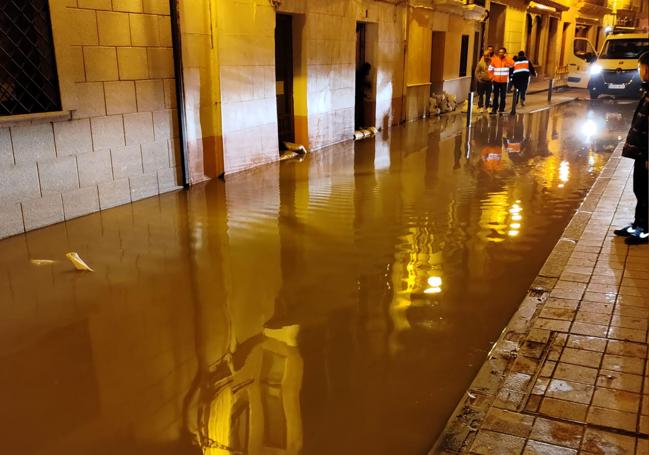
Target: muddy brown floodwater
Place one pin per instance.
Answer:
(339, 305)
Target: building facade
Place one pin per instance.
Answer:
(547, 29)
(107, 136)
(105, 102)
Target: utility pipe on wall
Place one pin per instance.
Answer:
(180, 90)
(404, 74)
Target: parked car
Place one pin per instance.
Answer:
(615, 72)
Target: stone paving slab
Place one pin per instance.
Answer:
(569, 373)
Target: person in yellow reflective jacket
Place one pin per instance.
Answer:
(499, 70)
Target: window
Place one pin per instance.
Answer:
(464, 55)
(583, 49)
(625, 48)
(28, 79)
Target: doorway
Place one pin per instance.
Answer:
(362, 76)
(497, 25)
(365, 97)
(284, 78)
(529, 43)
(551, 51)
(538, 30)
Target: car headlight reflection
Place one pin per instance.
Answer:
(595, 69)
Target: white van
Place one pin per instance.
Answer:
(581, 58)
(616, 70)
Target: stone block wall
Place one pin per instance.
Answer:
(113, 142)
(441, 67)
(198, 25)
(329, 38)
(389, 74)
(116, 138)
(229, 72)
(246, 53)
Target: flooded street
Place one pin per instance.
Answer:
(338, 305)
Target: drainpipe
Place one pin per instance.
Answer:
(180, 90)
(404, 86)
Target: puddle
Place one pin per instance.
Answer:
(341, 304)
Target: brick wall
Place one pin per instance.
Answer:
(115, 140)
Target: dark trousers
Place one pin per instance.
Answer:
(484, 94)
(500, 96)
(521, 82)
(641, 191)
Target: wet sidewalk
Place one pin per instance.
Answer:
(541, 85)
(568, 374)
(536, 101)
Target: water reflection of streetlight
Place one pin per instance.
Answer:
(591, 161)
(501, 217)
(516, 216)
(564, 173)
(592, 127)
(435, 283)
(588, 129)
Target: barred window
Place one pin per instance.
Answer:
(28, 78)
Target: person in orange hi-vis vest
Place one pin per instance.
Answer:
(499, 70)
(523, 70)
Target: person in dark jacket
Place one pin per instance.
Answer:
(521, 73)
(636, 148)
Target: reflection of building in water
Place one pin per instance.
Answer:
(248, 402)
(417, 274)
(245, 394)
(417, 280)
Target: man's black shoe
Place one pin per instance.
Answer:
(626, 231)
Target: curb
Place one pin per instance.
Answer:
(541, 90)
(518, 337)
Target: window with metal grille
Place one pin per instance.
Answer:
(28, 78)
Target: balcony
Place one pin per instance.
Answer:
(594, 8)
